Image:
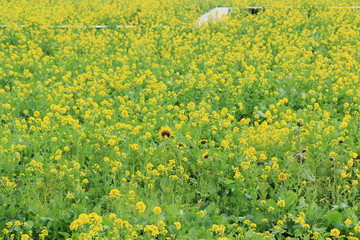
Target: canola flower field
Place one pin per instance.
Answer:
(243, 129)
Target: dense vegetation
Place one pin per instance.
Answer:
(243, 129)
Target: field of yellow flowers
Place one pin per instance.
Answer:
(248, 128)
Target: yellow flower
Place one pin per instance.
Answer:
(161, 226)
(245, 165)
(306, 226)
(111, 142)
(191, 106)
(134, 147)
(36, 113)
(165, 132)
(335, 233)
(201, 213)
(177, 225)
(205, 155)
(151, 230)
(218, 229)
(181, 145)
(300, 219)
(114, 193)
(25, 237)
(69, 195)
(147, 135)
(348, 222)
(43, 234)
(270, 209)
(141, 207)
(282, 176)
(85, 236)
(281, 203)
(6, 106)
(157, 210)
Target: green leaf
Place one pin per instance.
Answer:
(263, 188)
(229, 181)
(302, 203)
(308, 175)
(171, 209)
(271, 203)
(30, 224)
(212, 188)
(163, 183)
(46, 219)
(250, 235)
(291, 198)
(333, 218)
(64, 234)
(260, 113)
(192, 233)
(248, 196)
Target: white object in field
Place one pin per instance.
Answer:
(214, 14)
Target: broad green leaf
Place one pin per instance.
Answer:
(333, 218)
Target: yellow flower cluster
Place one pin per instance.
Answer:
(115, 193)
(141, 207)
(218, 229)
(92, 223)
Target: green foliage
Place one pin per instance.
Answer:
(242, 129)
